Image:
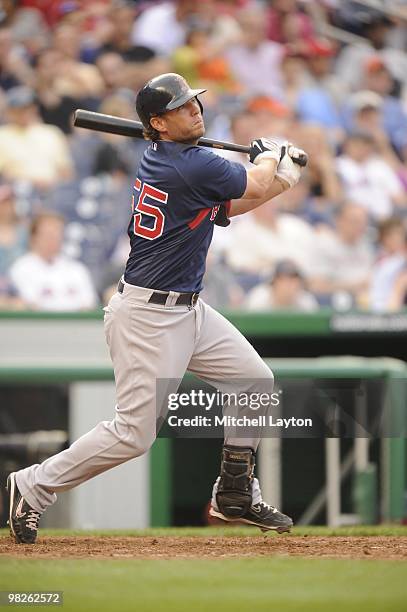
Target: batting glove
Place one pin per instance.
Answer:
(264, 148)
(287, 170)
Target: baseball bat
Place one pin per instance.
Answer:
(128, 127)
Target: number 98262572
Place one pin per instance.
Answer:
(31, 598)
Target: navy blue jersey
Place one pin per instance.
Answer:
(178, 192)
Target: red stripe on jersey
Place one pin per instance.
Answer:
(137, 184)
(199, 218)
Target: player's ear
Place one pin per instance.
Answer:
(158, 123)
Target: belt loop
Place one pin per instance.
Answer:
(171, 298)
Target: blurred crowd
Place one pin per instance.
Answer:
(328, 75)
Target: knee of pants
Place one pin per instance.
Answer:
(257, 369)
(139, 441)
(142, 446)
(146, 447)
(262, 381)
(137, 449)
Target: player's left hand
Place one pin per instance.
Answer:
(264, 148)
(287, 170)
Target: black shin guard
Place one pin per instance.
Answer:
(234, 494)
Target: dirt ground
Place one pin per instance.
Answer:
(170, 547)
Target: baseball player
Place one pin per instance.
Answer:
(156, 325)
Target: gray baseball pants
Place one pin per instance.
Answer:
(149, 342)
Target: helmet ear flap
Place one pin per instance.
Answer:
(200, 104)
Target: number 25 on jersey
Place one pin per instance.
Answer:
(142, 210)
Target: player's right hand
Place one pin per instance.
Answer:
(287, 169)
(264, 148)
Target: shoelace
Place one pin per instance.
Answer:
(262, 503)
(32, 519)
(267, 506)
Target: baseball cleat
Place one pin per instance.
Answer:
(266, 517)
(23, 519)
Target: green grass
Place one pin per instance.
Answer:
(286, 584)
(359, 530)
(279, 584)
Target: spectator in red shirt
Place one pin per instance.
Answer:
(286, 23)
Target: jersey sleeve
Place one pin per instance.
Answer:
(214, 177)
